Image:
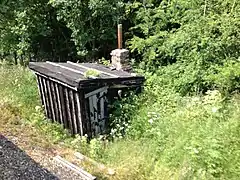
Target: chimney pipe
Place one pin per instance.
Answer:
(120, 36)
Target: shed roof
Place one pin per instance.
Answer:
(73, 74)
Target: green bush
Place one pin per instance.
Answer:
(225, 77)
(187, 37)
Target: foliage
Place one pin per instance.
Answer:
(183, 137)
(119, 119)
(190, 36)
(92, 22)
(190, 40)
(226, 77)
(58, 30)
(30, 30)
(104, 61)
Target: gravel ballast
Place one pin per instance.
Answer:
(16, 164)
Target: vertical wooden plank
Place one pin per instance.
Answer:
(95, 109)
(79, 113)
(106, 115)
(40, 89)
(105, 109)
(51, 100)
(54, 100)
(73, 112)
(68, 108)
(99, 119)
(85, 112)
(59, 103)
(91, 116)
(43, 96)
(48, 108)
(63, 106)
(102, 114)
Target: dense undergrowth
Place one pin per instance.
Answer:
(166, 135)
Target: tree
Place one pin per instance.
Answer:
(30, 28)
(92, 22)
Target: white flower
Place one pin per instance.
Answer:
(150, 121)
(214, 109)
(195, 99)
(37, 108)
(195, 151)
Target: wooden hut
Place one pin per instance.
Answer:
(77, 99)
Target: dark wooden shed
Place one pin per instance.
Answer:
(77, 101)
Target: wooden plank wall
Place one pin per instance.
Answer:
(62, 104)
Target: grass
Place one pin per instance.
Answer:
(19, 94)
(167, 136)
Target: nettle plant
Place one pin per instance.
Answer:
(121, 112)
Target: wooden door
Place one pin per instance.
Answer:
(97, 102)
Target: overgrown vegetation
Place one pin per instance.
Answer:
(186, 123)
(178, 137)
(190, 137)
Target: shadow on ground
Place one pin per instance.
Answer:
(16, 164)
